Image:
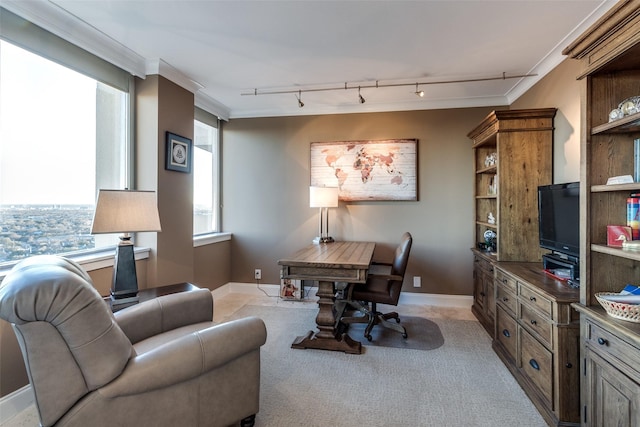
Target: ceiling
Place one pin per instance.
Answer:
(224, 50)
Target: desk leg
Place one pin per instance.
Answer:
(327, 338)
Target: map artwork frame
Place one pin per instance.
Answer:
(179, 153)
(385, 170)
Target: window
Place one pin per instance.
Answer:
(205, 175)
(63, 135)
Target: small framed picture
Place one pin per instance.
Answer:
(291, 289)
(179, 154)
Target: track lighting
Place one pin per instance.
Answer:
(300, 103)
(376, 84)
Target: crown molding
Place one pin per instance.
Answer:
(555, 57)
(66, 26)
(214, 107)
(162, 68)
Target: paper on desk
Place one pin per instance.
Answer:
(625, 299)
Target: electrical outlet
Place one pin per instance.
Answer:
(257, 274)
(417, 281)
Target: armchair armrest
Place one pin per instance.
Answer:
(188, 357)
(165, 313)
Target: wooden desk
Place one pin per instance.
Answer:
(151, 293)
(329, 263)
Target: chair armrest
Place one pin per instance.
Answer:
(385, 277)
(188, 357)
(165, 313)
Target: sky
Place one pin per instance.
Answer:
(47, 131)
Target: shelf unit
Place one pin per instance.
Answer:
(610, 55)
(522, 141)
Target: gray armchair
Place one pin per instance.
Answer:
(160, 363)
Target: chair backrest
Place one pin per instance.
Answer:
(398, 268)
(401, 257)
(69, 339)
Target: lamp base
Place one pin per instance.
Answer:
(124, 287)
(319, 240)
(123, 300)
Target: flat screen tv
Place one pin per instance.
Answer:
(559, 218)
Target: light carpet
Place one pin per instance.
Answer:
(461, 383)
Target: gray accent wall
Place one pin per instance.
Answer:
(266, 193)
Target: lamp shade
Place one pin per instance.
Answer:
(125, 211)
(323, 197)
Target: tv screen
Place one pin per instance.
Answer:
(559, 218)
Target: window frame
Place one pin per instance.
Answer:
(212, 120)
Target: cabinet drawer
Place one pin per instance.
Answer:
(507, 331)
(537, 363)
(506, 298)
(537, 323)
(506, 281)
(536, 299)
(606, 345)
(483, 265)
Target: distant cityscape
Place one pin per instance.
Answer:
(28, 230)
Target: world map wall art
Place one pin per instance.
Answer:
(367, 170)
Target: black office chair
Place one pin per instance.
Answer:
(382, 289)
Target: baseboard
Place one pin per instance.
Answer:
(255, 289)
(15, 402)
(438, 300)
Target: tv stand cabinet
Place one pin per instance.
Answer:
(537, 337)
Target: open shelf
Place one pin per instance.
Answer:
(490, 170)
(622, 253)
(486, 224)
(627, 124)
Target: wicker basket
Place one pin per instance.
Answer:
(630, 312)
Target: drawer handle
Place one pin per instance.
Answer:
(569, 365)
(505, 299)
(506, 333)
(532, 298)
(482, 294)
(504, 281)
(491, 270)
(534, 364)
(533, 322)
(602, 341)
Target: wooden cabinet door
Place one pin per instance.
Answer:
(613, 399)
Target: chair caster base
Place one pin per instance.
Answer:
(249, 421)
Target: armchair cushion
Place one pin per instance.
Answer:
(165, 313)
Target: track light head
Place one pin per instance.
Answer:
(419, 92)
(360, 98)
(300, 103)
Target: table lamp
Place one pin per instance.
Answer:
(323, 198)
(125, 211)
